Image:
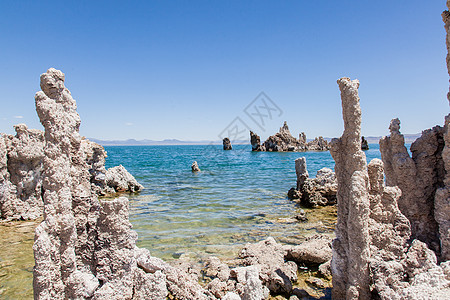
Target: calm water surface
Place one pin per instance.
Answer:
(238, 197)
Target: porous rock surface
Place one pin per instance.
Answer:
(351, 246)
(418, 177)
(85, 248)
(20, 174)
(264, 267)
(313, 192)
(284, 141)
(375, 255)
(21, 166)
(227, 144)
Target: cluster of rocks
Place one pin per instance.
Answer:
(313, 192)
(21, 166)
(227, 144)
(267, 268)
(85, 247)
(391, 241)
(284, 141)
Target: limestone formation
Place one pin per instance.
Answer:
(118, 179)
(375, 254)
(417, 177)
(442, 198)
(227, 144)
(302, 138)
(275, 273)
(364, 144)
(20, 174)
(302, 171)
(284, 141)
(351, 246)
(318, 144)
(84, 248)
(316, 250)
(312, 192)
(255, 140)
(21, 188)
(399, 269)
(195, 167)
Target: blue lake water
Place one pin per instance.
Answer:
(238, 197)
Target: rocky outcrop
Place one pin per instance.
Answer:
(364, 144)
(85, 248)
(312, 192)
(375, 255)
(316, 250)
(351, 246)
(318, 144)
(255, 140)
(227, 144)
(301, 171)
(442, 198)
(275, 273)
(195, 167)
(118, 179)
(21, 159)
(21, 166)
(418, 177)
(284, 141)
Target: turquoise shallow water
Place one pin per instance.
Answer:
(238, 197)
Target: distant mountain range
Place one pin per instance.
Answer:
(133, 142)
(409, 138)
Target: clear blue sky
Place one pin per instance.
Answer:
(186, 69)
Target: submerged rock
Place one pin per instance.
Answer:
(227, 144)
(195, 167)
